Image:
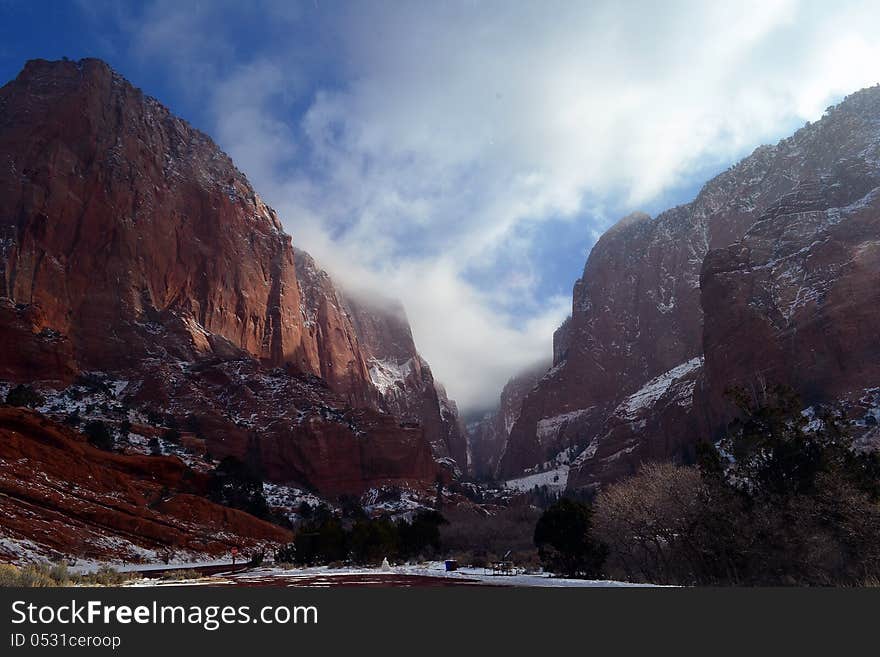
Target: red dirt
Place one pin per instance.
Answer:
(73, 499)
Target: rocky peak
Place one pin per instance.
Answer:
(119, 213)
(632, 219)
(132, 246)
(403, 378)
(636, 311)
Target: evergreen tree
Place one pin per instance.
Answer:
(24, 395)
(236, 485)
(420, 535)
(562, 536)
(171, 435)
(370, 541)
(99, 435)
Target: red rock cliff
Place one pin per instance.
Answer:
(792, 300)
(797, 300)
(115, 214)
(488, 435)
(404, 379)
(130, 244)
(637, 319)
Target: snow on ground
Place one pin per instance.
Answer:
(400, 502)
(183, 581)
(434, 569)
(284, 575)
(588, 453)
(552, 473)
(871, 403)
(21, 550)
(290, 498)
(173, 564)
(548, 428)
(96, 396)
(387, 500)
(543, 580)
(554, 479)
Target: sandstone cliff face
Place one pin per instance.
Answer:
(115, 211)
(804, 286)
(33, 349)
(661, 421)
(637, 314)
(291, 428)
(338, 352)
(116, 214)
(131, 245)
(404, 379)
(789, 302)
(454, 432)
(488, 436)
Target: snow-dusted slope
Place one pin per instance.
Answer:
(637, 310)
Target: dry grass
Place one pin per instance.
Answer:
(57, 574)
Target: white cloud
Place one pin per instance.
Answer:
(433, 144)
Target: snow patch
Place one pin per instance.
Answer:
(549, 427)
(555, 480)
(648, 395)
(388, 374)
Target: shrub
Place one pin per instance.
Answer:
(350, 506)
(171, 435)
(319, 543)
(564, 541)
(647, 522)
(324, 540)
(9, 575)
(73, 419)
(35, 576)
(99, 435)
(286, 554)
(492, 533)
(176, 575)
(235, 484)
(47, 575)
(24, 395)
(370, 541)
(421, 535)
(58, 573)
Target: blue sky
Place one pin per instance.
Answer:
(465, 156)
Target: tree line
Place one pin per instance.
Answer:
(327, 538)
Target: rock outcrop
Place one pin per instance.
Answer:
(797, 300)
(489, 434)
(340, 357)
(403, 378)
(131, 245)
(638, 310)
(658, 422)
(117, 215)
(60, 496)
